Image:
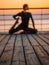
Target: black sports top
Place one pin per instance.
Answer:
(25, 16)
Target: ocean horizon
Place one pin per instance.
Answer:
(41, 19)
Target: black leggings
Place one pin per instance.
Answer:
(20, 27)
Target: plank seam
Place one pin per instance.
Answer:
(23, 50)
(13, 51)
(3, 38)
(5, 46)
(35, 51)
(43, 40)
(40, 45)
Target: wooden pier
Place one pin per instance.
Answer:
(24, 49)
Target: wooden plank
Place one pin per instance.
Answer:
(42, 44)
(2, 37)
(47, 36)
(18, 58)
(47, 42)
(7, 55)
(47, 48)
(32, 40)
(42, 55)
(40, 40)
(44, 58)
(2, 45)
(29, 52)
(44, 39)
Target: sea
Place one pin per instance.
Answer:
(40, 17)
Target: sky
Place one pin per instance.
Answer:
(19, 3)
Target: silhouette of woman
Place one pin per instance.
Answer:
(25, 16)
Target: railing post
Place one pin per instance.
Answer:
(4, 18)
(41, 19)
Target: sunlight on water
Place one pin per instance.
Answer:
(41, 22)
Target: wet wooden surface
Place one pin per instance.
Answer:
(24, 49)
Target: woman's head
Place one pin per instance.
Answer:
(25, 7)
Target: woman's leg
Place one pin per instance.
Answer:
(30, 30)
(11, 31)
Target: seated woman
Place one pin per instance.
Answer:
(25, 16)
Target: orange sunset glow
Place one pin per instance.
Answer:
(40, 15)
(19, 3)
